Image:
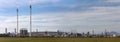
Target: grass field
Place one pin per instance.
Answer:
(59, 39)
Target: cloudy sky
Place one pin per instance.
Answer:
(63, 15)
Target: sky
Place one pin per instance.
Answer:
(64, 15)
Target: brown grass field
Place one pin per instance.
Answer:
(59, 39)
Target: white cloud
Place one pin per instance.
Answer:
(97, 18)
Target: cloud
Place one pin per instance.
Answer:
(53, 5)
(96, 16)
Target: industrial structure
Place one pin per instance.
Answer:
(30, 21)
(23, 32)
(17, 20)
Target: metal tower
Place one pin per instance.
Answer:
(93, 32)
(105, 32)
(15, 30)
(17, 20)
(5, 30)
(30, 20)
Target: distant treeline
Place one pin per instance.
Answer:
(4, 35)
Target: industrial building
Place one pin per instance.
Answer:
(23, 32)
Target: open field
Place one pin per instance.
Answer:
(59, 39)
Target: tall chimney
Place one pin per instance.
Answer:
(5, 30)
(36, 30)
(93, 32)
(30, 20)
(15, 30)
(105, 32)
(17, 21)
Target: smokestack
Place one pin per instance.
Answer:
(93, 32)
(15, 31)
(105, 32)
(30, 20)
(36, 30)
(6, 30)
(17, 21)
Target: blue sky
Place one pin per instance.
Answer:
(64, 15)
